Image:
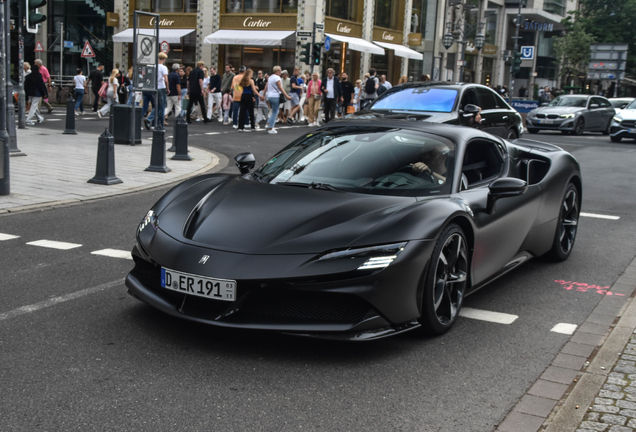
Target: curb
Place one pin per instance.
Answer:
(219, 161)
(559, 399)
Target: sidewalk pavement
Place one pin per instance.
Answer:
(57, 167)
(591, 383)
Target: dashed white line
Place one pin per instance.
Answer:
(483, 315)
(54, 244)
(7, 236)
(599, 216)
(113, 253)
(564, 328)
(213, 133)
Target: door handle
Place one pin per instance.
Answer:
(505, 117)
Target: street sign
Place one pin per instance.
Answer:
(146, 49)
(327, 43)
(305, 34)
(165, 47)
(38, 47)
(319, 26)
(87, 51)
(68, 44)
(527, 53)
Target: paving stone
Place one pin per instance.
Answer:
(611, 395)
(628, 357)
(617, 375)
(595, 426)
(628, 413)
(612, 387)
(578, 349)
(625, 369)
(584, 430)
(614, 419)
(569, 361)
(617, 381)
(632, 423)
(626, 404)
(559, 374)
(538, 406)
(601, 319)
(593, 416)
(604, 401)
(606, 409)
(549, 389)
(595, 328)
(630, 398)
(630, 390)
(617, 428)
(586, 338)
(520, 422)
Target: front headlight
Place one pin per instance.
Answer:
(379, 257)
(617, 119)
(567, 116)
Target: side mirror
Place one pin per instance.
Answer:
(504, 188)
(366, 105)
(471, 109)
(245, 162)
(592, 106)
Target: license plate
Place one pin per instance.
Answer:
(219, 289)
(546, 121)
(632, 130)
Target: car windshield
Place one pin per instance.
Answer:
(620, 103)
(383, 161)
(632, 105)
(418, 99)
(570, 101)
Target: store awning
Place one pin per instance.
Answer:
(248, 37)
(357, 44)
(168, 35)
(402, 51)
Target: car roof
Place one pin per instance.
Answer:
(440, 84)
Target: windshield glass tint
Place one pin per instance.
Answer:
(418, 99)
(569, 101)
(375, 161)
(632, 105)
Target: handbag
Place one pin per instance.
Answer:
(281, 98)
(102, 90)
(351, 109)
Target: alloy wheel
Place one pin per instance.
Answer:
(450, 279)
(569, 221)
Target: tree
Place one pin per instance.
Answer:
(573, 50)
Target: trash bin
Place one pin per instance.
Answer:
(121, 120)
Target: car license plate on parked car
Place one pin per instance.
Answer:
(219, 289)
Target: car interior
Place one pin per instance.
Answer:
(482, 163)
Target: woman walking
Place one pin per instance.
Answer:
(110, 93)
(35, 89)
(357, 91)
(314, 95)
(247, 100)
(80, 83)
(274, 92)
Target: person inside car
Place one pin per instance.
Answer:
(433, 162)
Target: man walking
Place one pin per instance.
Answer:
(226, 81)
(195, 91)
(296, 90)
(237, 92)
(96, 79)
(214, 95)
(370, 86)
(347, 91)
(162, 92)
(332, 94)
(174, 95)
(46, 77)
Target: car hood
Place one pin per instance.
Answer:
(627, 114)
(249, 217)
(558, 110)
(430, 116)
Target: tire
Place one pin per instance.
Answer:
(445, 281)
(567, 225)
(579, 127)
(565, 132)
(533, 130)
(616, 138)
(606, 131)
(512, 135)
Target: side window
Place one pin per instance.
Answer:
(605, 103)
(486, 99)
(597, 101)
(482, 162)
(500, 102)
(469, 97)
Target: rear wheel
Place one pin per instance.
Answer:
(579, 127)
(567, 225)
(445, 281)
(511, 134)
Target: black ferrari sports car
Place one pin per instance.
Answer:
(357, 230)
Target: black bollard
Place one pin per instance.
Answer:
(70, 116)
(158, 152)
(13, 144)
(111, 120)
(105, 171)
(180, 140)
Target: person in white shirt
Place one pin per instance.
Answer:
(273, 92)
(162, 94)
(80, 83)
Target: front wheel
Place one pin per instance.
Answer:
(445, 281)
(566, 226)
(579, 127)
(511, 135)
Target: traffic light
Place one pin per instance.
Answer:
(316, 53)
(32, 15)
(516, 62)
(305, 53)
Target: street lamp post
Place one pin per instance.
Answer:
(459, 31)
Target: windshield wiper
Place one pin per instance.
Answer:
(313, 185)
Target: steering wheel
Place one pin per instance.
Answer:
(426, 175)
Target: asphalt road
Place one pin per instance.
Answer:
(84, 356)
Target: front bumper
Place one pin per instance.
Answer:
(550, 124)
(624, 130)
(335, 305)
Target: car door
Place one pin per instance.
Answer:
(594, 115)
(608, 112)
(469, 97)
(494, 119)
(498, 236)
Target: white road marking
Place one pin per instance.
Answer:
(599, 216)
(212, 133)
(54, 244)
(495, 317)
(113, 253)
(90, 119)
(7, 236)
(55, 300)
(50, 120)
(564, 328)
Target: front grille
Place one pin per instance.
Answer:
(540, 115)
(553, 116)
(628, 123)
(308, 306)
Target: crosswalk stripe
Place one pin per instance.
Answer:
(483, 315)
(7, 236)
(599, 216)
(54, 244)
(564, 328)
(113, 253)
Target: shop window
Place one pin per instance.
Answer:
(386, 14)
(418, 16)
(554, 6)
(261, 6)
(343, 9)
(166, 6)
(143, 5)
(491, 27)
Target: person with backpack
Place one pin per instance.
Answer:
(370, 86)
